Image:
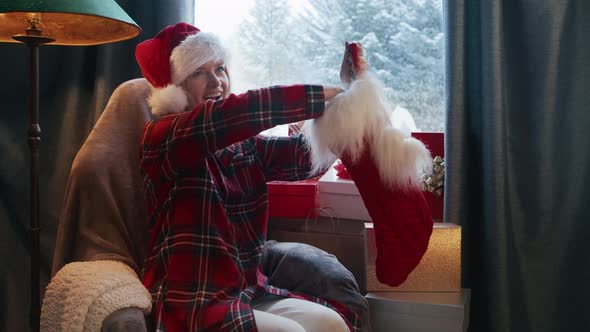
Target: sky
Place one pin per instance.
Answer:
(221, 16)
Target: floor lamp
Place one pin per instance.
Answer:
(55, 22)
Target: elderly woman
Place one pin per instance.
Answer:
(205, 170)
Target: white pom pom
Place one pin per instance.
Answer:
(169, 100)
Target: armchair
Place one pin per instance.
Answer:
(103, 222)
(103, 236)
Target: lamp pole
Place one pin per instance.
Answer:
(33, 39)
(69, 23)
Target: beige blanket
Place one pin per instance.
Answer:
(104, 213)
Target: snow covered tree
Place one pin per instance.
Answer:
(266, 44)
(403, 41)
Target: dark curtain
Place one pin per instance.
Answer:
(518, 163)
(75, 84)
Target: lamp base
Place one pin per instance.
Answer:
(33, 40)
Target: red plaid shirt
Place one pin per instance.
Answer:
(205, 181)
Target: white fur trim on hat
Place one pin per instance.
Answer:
(193, 52)
(359, 118)
(168, 100)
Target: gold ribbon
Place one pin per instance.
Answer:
(435, 181)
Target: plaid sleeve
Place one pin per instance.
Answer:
(284, 158)
(215, 125)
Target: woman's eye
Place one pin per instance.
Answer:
(197, 73)
(221, 69)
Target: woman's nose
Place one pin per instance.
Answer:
(213, 80)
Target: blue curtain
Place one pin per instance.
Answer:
(518, 161)
(75, 85)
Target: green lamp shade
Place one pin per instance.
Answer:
(69, 22)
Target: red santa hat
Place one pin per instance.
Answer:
(170, 57)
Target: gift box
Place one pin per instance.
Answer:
(435, 142)
(293, 199)
(419, 311)
(438, 271)
(345, 239)
(341, 196)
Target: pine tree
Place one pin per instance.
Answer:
(265, 43)
(403, 43)
(402, 39)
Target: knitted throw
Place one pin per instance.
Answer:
(82, 294)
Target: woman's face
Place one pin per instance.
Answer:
(210, 81)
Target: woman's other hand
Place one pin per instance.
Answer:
(331, 92)
(354, 64)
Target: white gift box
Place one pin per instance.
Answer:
(341, 197)
(419, 311)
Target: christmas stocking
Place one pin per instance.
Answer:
(384, 164)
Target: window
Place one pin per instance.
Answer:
(302, 41)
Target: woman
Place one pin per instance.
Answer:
(205, 170)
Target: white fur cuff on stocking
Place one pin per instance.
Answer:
(359, 118)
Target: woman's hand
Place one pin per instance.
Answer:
(331, 92)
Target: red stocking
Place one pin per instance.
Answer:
(400, 214)
(401, 219)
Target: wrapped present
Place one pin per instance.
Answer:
(345, 239)
(438, 271)
(435, 142)
(419, 311)
(434, 182)
(341, 195)
(292, 199)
